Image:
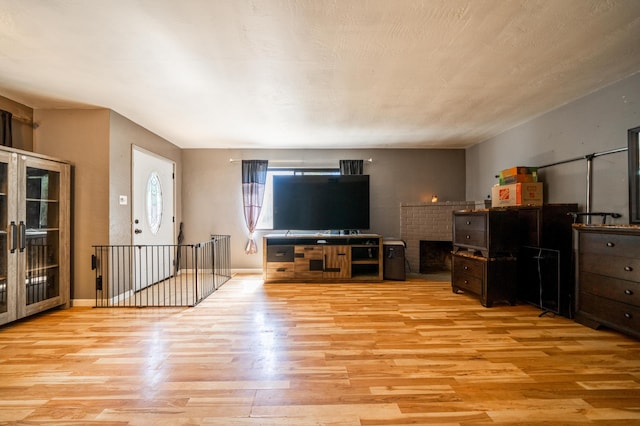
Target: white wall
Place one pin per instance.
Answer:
(594, 123)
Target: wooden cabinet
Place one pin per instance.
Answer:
(483, 261)
(309, 262)
(326, 258)
(491, 279)
(337, 262)
(608, 277)
(35, 235)
(491, 232)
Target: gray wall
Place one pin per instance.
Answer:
(595, 123)
(82, 138)
(124, 133)
(212, 193)
(97, 142)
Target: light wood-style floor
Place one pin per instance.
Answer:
(391, 353)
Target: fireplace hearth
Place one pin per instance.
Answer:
(435, 256)
(430, 222)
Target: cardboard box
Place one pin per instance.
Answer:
(528, 178)
(520, 170)
(517, 194)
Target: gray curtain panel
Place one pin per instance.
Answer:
(6, 138)
(351, 167)
(254, 179)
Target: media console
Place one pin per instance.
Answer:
(320, 258)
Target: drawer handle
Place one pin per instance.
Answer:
(281, 269)
(466, 268)
(468, 237)
(628, 268)
(610, 244)
(628, 292)
(627, 315)
(466, 282)
(468, 222)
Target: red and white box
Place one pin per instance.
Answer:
(517, 194)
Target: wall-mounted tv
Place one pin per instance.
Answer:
(321, 202)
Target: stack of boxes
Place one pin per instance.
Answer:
(518, 186)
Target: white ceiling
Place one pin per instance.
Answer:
(316, 73)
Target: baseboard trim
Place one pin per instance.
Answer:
(246, 271)
(88, 303)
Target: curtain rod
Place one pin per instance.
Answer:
(22, 119)
(235, 160)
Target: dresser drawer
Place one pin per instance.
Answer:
(610, 244)
(619, 290)
(471, 238)
(468, 267)
(280, 270)
(309, 263)
(610, 312)
(467, 274)
(308, 252)
(493, 279)
(280, 253)
(490, 232)
(467, 283)
(475, 222)
(624, 268)
(470, 230)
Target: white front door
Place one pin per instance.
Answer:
(153, 227)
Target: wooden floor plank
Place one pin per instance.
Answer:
(391, 353)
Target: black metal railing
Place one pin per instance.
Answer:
(160, 275)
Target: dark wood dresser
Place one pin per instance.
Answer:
(483, 261)
(608, 277)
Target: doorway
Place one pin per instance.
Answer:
(153, 214)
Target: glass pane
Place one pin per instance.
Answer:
(42, 198)
(42, 242)
(154, 203)
(3, 237)
(42, 265)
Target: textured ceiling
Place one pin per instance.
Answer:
(316, 73)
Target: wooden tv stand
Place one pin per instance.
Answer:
(322, 258)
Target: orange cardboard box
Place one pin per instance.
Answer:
(519, 170)
(507, 180)
(517, 194)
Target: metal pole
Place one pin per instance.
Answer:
(589, 178)
(589, 158)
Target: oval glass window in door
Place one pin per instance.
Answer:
(154, 202)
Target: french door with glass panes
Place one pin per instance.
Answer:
(34, 244)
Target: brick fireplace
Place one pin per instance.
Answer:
(421, 223)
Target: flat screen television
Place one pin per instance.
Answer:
(321, 202)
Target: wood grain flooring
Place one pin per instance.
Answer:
(390, 353)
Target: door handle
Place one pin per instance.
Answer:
(13, 236)
(138, 231)
(22, 230)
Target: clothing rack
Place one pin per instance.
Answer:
(589, 177)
